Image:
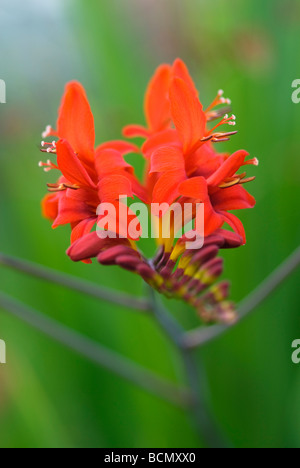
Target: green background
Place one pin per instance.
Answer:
(50, 397)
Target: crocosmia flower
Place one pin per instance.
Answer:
(89, 177)
(182, 166)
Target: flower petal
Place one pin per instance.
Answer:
(109, 256)
(157, 105)
(70, 166)
(109, 161)
(167, 159)
(50, 206)
(91, 245)
(75, 122)
(196, 187)
(232, 198)
(212, 219)
(180, 70)
(138, 189)
(231, 239)
(82, 228)
(164, 138)
(187, 113)
(72, 211)
(124, 147)
(235, 223)
(112, 187)
(166, 188)
(228, 168)
(135, 131)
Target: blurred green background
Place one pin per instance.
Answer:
(50, 397)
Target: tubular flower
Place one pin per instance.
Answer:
(182, 167)
(157, 103)
(187, 165)
(89, 177)
(182, 162)
(189, 275)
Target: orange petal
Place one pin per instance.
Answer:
(71, 211)
(166, 189)
(124, 147)
(135, 131)
(195, 187)
(212, 219)
(157, 105)
(232, 198)
(82, 228)
(228, 168)
(167, 159)
(76, 122)
(164, 138)
(108, 161)
(110, 188)
(138, 189)
(235, 223)
(70, 166)
(50, 206)
(187, 113)
(180, 70)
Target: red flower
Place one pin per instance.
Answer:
(182, 165)
(185, 164)
(157, 103)
(89, 176)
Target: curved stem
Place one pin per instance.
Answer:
(204, 420)
(97, 353)
(167, 322)
(71, 282)
(202, 336)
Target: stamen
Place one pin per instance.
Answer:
(238, 179)
(217, 114)
(253, 161)
(219, 99)
(219, 137)
(61, 187)
(48, 166)
(245, 181)
(230, 182)
(49, 131)
(51, 147)
(226, 120)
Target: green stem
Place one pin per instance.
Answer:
(71, 282)
(96, 353)
(202, 336)
(204, 420)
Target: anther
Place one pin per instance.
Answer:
(48, 165)
(47, 131)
